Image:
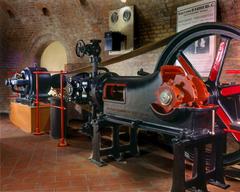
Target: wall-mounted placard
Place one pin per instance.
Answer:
(202, 52)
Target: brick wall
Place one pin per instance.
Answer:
(230, 13)
(29, 26)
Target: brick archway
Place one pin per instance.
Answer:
(33, 54)
(54, 57)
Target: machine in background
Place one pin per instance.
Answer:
(24, 83)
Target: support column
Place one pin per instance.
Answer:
(96, 144)
(133, 140)
(116, 142)
(178, 183)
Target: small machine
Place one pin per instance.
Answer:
(25, 83)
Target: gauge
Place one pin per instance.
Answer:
(69, 89)
(126, 15)
(114, 17)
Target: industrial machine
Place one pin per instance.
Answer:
(173, 101)
(25, 84)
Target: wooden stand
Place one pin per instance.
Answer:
(23, 116)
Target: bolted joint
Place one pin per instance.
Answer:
(166, 97)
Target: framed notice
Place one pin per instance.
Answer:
(202, 52)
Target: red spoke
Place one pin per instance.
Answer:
(219, 60)
(227, 122)
(187, 66)
(228, 91)
(233, 71)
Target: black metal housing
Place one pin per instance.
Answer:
(25, 83)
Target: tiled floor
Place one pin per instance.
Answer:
(35, 163)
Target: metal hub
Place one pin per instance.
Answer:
(69, 89)
(166, 97)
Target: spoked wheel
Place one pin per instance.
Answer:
(80, 48)
(227, 96)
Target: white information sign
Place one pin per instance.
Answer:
(202, 52)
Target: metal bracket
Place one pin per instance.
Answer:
(200, 176)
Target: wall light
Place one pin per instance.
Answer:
(123, 1)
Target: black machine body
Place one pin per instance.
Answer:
(157, 101)
(173, 101)
(25, 83)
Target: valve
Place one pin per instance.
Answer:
(91, 49)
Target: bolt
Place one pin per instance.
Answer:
(166, 97)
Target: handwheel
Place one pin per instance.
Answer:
(220, 95)
(80, 48)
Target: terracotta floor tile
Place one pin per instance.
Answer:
(113, 187)
(35, 163)
(72, 189)
(18, 187)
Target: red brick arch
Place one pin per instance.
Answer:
(6, 7)
(39, 44)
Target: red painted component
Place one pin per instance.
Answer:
(181, 88)
(227, 122)
(169, 72)
(37, 123)
(233, 71)
(62, 142)
(201, 94)
(232, 90)
(48, 72)
(185, 65)
(232, 131)
(217, 63)
(111, 85)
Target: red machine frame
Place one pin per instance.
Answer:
(62, 141)
(226, 92)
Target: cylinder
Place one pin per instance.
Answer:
(55, 119)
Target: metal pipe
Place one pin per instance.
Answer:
(37, 122)
(62, 142)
